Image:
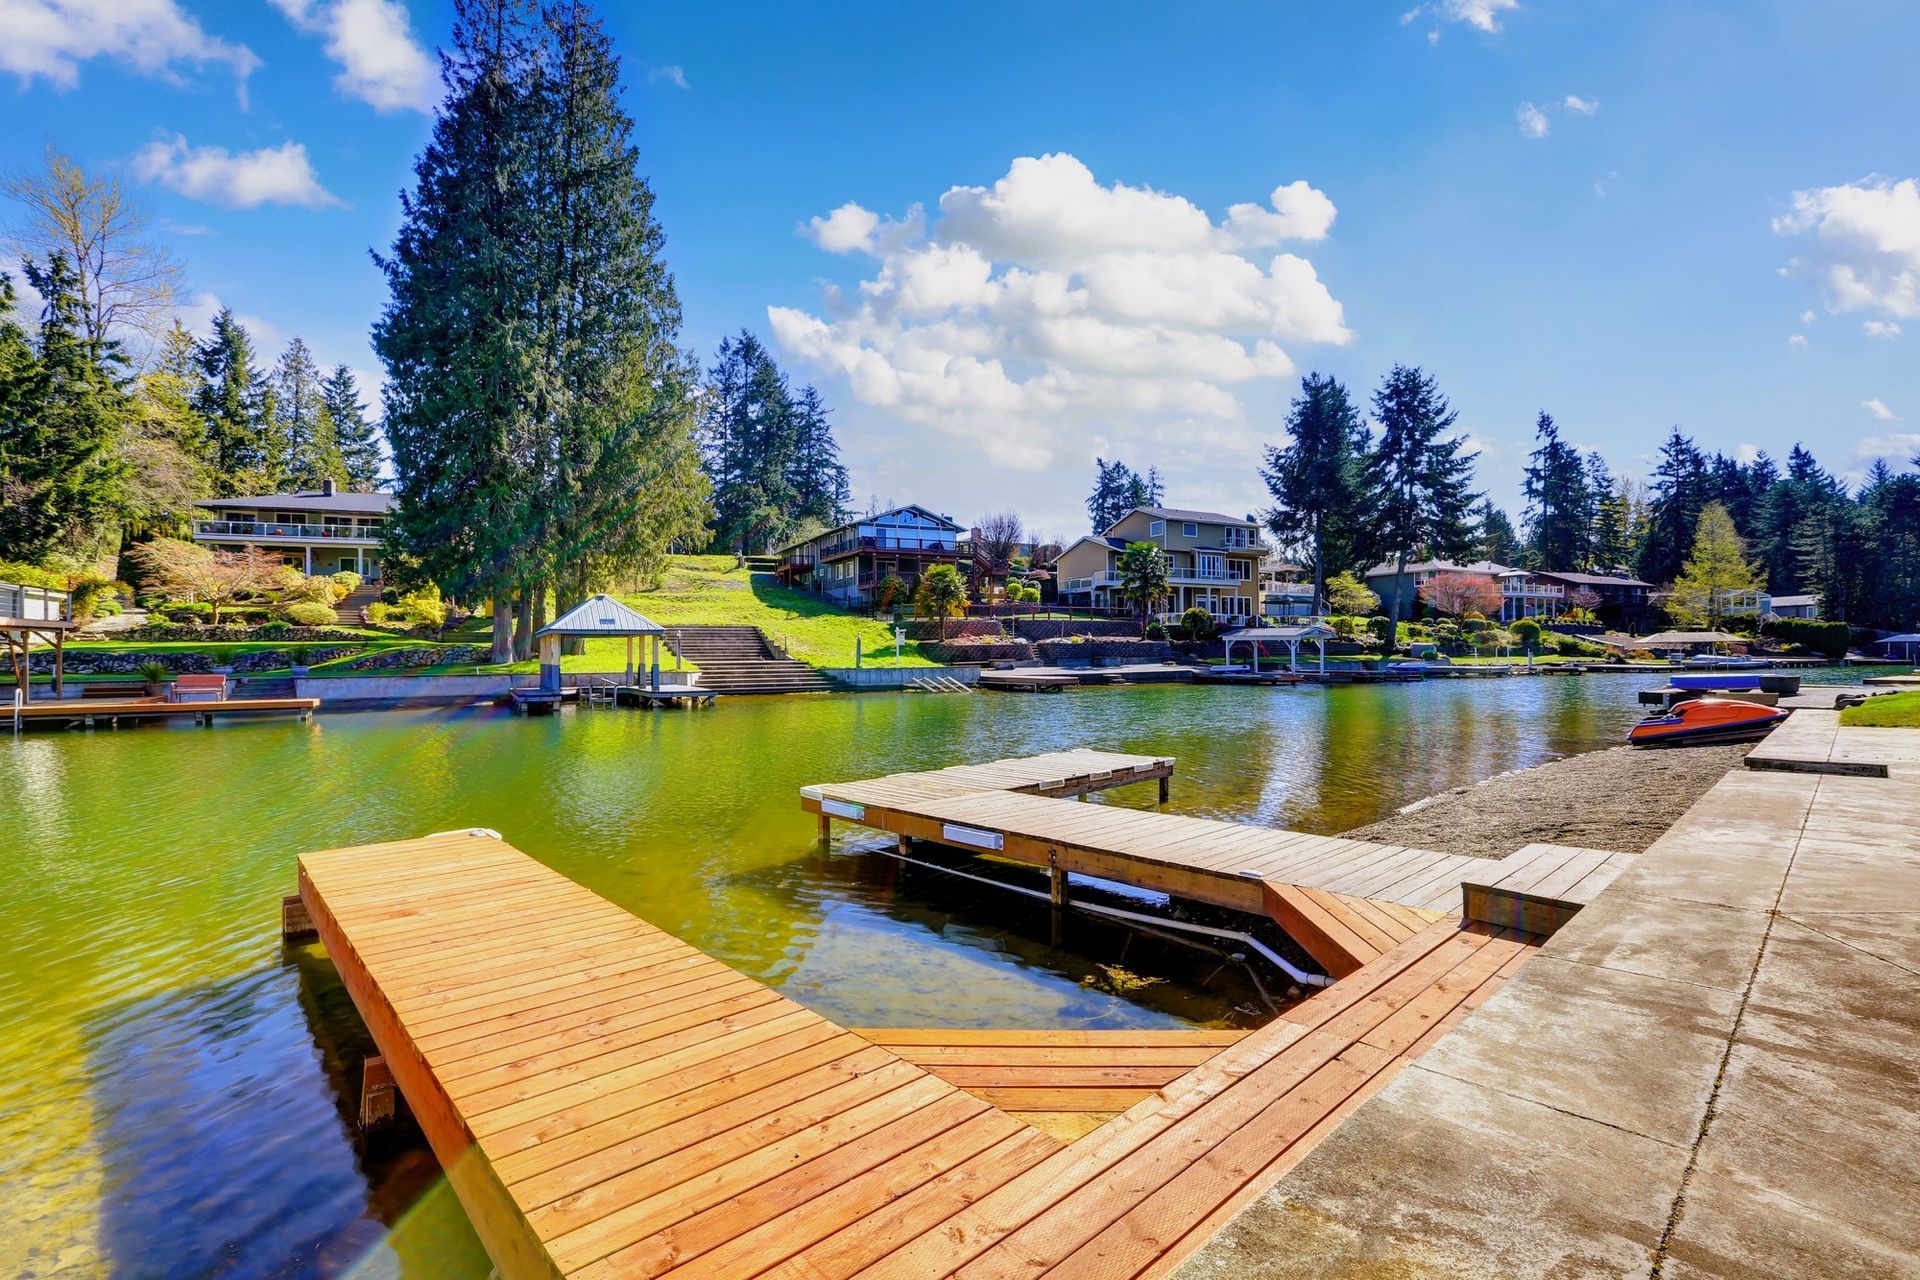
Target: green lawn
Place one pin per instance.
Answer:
(709, 591)
(1890, 711)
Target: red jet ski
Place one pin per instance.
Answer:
(1706, 720)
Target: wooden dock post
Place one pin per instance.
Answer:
(1057, 880)
(295, 923)
(826, 828)
(379, 1099)
(1166, 787)
(903, 846)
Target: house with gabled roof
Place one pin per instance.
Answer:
(847, 562)
(1213, 561)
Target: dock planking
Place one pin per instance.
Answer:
(105, 709)
(608, 1101)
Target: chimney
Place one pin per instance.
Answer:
(326, 487)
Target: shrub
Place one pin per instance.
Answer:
(1196, 624)
(1828, 639)
(1155, 631)
(310, 613)
(1473, 624)
(425, 606)
(1377, 627)
(891, 593)
(153, 672)
(1527, 632)
(274, 628)
(186, 609)
(380, 613)
(348, 579)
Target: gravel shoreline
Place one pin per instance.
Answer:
(1622, 799)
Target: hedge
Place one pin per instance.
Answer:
(1829, 639)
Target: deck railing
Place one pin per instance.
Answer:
(278, 529)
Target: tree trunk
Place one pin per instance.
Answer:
(1393, 608)
(1319, 569)
(502, 629)
(523, 626)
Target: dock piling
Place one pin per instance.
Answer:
(379, 1098)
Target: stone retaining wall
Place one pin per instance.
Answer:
(1109, 650)
(1002, 651)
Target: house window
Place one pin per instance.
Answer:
(1189, 530)
(1157, 528)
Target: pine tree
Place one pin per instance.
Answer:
(748, 447)
(1559, 504)
(166, 446)
(1716, 569)
(1888, 531)
(1154, 488)
(1418, 479)
(1494, 537)
(1679, 495)
(63, 413)
(236, 405)
(1115, 489)
(302, 429)
(817, 477)
(1317, 479)
(1614, 521)
(626, 478)
(354, 434)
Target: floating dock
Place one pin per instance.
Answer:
(607, 1101)
(1344, 901)
(113, 710)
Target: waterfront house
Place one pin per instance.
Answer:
(847, 562)
(318, 531)
(1380, 579)
(1621, 601)
(1213, 563)
(1796, 606)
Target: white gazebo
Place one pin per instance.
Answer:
(1291, 636)
(1908, 642)
(600, 615)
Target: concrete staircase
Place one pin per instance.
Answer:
(739, 660)
(262, 687)
(348, 610)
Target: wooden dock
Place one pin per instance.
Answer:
(1344, 901)
(113, 710)
(607, 1101)
(1026, 681)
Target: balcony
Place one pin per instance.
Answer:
(1532, 590)
(1091, 583)
(267, 531)
(933, 546)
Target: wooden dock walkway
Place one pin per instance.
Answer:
(607, 1101)
(110, 710)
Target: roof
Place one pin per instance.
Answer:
(1594, 579)
(1795, 601)
(1098, 540)
(601, 615)
(1690, 637)
(857, 521)
(1909, 638)
(1487, 567)
(364, 504)
(1181, 513)
(1300, 631)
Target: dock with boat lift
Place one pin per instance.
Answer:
(1344, 901)
(607, 1101)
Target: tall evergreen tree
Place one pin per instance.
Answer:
(749, 447)
(354, 433)
(1153, 488)
(1888, 530)
(458, 331)
(1418, 478)
(1716, 569)
(816, 476)
(1116, 491)
(236, 404)
(1559, 504)
(302, 429)
(1679, 495)
(166, 447)
(1317, 479)
(1494, 537)
(1613, 519)
(63, 413)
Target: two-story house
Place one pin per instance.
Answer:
(1380, 579)
(1213, 563)
(846, 563)
(1618, 601)
(319, 531)
(1285, 595)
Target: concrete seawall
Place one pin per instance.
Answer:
(897, 677)
(425, 689)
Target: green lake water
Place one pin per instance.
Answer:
(175, 1091)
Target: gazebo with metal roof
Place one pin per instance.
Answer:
(1291, 636)
(599, 615)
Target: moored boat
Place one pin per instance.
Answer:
(1706, 720)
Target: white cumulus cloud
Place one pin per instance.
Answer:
(1879, 410)
(1584, 106)
(1481, 15)
(1865, 249)
(1797, 340)
(1048, 306)
(380, 62)
(1881, 328)
(235, 180)
(51, 38)
(1533, 121)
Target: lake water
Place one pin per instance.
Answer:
(175, 1091)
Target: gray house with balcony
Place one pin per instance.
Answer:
(847, 562)
(1213, 563)
(320, 531)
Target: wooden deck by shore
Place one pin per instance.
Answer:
(607, 1101)
(113, 710)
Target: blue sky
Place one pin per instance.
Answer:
(1630, 215)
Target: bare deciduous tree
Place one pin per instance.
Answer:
(128, 281)
(996, 542)
(219, 578)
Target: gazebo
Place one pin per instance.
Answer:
(30, 614)
(1909, 642)
(600, 615)
(1291, 636)
(1688, 639)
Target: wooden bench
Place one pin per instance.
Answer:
(188, 688)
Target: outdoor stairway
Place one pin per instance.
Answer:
(263, 687)
(739, 660)
(348, 610)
